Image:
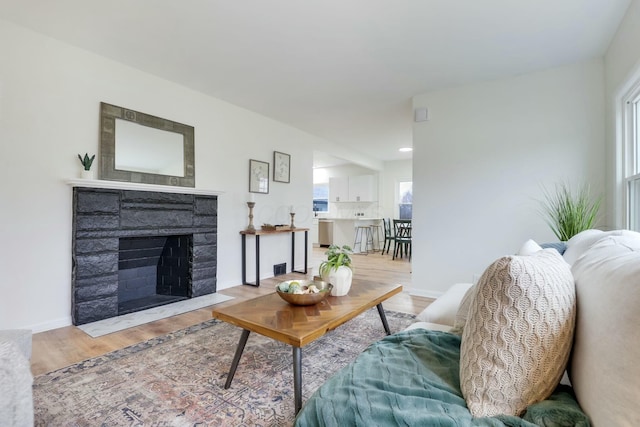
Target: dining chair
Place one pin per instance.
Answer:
(388, 235)
(402, 238)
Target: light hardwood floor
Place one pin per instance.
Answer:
(62, 347)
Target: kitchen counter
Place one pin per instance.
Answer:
(343, 230)
(355, 218)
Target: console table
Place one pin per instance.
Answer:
(259, 233)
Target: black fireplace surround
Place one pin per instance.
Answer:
(137, 249)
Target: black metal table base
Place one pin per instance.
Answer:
(293, 256)
(297, 361)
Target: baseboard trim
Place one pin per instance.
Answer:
(426, 293)
(53, 324)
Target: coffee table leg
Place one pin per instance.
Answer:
(383, 317)
(297, 378)
(236, 357)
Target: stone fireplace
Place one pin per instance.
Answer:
(134, 250)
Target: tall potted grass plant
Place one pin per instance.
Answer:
(568, 212)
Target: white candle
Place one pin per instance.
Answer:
(291, 209)
(251, 197)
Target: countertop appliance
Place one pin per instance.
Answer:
(325, 232)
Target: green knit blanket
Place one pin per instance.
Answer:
(411, 378)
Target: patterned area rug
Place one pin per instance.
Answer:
(178, 379)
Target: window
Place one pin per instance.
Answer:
(632, 157)
(405, 204)
(321, 197)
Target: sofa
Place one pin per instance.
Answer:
(581, 301)
(16, 400)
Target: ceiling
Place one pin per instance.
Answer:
(344, 70)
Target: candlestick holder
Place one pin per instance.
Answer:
(292, 215)
(250, 227)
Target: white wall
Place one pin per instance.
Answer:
(394, 172)
(622, 63)
(480, 162)
(49, 110)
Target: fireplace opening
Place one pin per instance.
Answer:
(153, 271)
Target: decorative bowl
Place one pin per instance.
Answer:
(306, 299)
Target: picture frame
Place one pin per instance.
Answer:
(258, 176)
(281, 167)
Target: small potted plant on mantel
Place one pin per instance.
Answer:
(337, 269)
(86, 161)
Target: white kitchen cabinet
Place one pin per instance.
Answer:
(363, 188)
(339, 189)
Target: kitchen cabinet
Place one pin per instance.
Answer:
(339, 189)
(361, 188)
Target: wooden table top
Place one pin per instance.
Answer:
(271, 316)
(260, 232)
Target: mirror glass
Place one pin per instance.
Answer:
(149, 150)
(141, 148)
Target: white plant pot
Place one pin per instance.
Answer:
(341, 281)
(87, 174)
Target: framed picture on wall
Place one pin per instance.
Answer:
(281, 167)
(258, 176)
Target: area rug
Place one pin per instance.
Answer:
(178, 379)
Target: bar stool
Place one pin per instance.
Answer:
(376, 232)
(363, 231)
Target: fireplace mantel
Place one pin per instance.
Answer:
(117, 185)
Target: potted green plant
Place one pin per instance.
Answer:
(569, 213)
(86, 163)
(336, 269)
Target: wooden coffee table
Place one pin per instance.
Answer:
(271, 316)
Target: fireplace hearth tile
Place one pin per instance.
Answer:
(119, 323)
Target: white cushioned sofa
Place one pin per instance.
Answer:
(16, 400)
(592, 325)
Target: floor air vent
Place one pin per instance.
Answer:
(280, 269)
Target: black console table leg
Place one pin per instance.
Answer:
(244, 259)
(306, 253)
(306, 250)
(257, 260)
(293, 252)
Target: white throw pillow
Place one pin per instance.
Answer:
(581, 242)
(517, 339)
(529, 247)
(605, 362)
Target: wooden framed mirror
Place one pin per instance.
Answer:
(141, 148)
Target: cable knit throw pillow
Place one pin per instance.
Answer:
(517, 339)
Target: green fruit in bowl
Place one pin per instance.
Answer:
(283, 287)
(295, 288)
